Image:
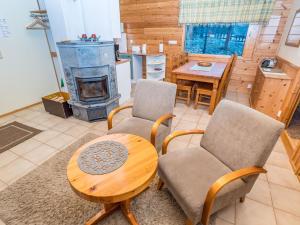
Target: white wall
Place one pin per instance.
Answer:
(291, 54)
(69, 18)
(26, 70)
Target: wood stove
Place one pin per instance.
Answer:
(92, 89)
(90, 73)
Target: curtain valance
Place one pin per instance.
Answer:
(225, 11)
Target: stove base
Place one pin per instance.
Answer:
(94, 112)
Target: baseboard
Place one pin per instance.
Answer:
(20, 109)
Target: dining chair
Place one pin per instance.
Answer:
(224, 167)
(205, 90)
(152, 112)
(184, 88)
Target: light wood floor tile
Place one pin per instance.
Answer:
(7, 157)
(15, 170)
(284, 218)
(254, 213)
(285, 199)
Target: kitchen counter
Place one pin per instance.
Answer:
(275, 73)
(121, 61)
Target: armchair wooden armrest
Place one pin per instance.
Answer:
(156, 125)
(178, 133)
(113, 112)
(220, 183)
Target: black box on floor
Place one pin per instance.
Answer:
(57, 104)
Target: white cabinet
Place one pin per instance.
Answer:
(124, 81)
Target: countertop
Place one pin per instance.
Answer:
(140, 54)
(276, 73)
(121, 61)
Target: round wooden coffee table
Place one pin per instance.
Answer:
(117, 188)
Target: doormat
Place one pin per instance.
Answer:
(15, 133)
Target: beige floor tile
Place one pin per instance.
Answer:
(97, 132)
(42, 118)
(64, 126)
(279, 147)
(185, 125)
(7, 119)
(227, 214)
(194, 112)
(6, 157)
(261, 192)
(60, 141)
(279, 159)
(26, 146)
(101, 125)
(21, 120)
(40, 154)
(84, 123)
(254, 213)
(77, 131)
(177, 145)
(22, 113)
(31, 115)
(283, 177)
(46, 135)
(196, 138)
(2, 187)
(285, 199)
(263, 176)
(51, 122)
(15, 170)
(190, 118)
(284, 218)
(184, 138)
(219, 221)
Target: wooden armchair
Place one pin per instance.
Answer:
(152, 112)
(224, 167)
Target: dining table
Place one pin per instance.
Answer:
(190, 71)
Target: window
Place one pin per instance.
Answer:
(218, 39)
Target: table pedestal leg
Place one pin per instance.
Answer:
(109, 208)
(125, 206)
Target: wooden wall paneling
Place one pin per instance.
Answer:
(155, 21)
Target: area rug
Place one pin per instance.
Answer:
(44, 197)
(15, 133)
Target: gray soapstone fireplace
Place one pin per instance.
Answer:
(90, 73)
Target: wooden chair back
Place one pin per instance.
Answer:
(183, 58)
(174, 63)
(226, 78)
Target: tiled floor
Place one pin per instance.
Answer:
(275, 198)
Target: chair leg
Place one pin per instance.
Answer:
(242, 199)
(196, 100)
(188, 98)
(160, 184)
(188, 222)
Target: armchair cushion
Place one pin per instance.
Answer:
(141, 127)
(189, 173)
